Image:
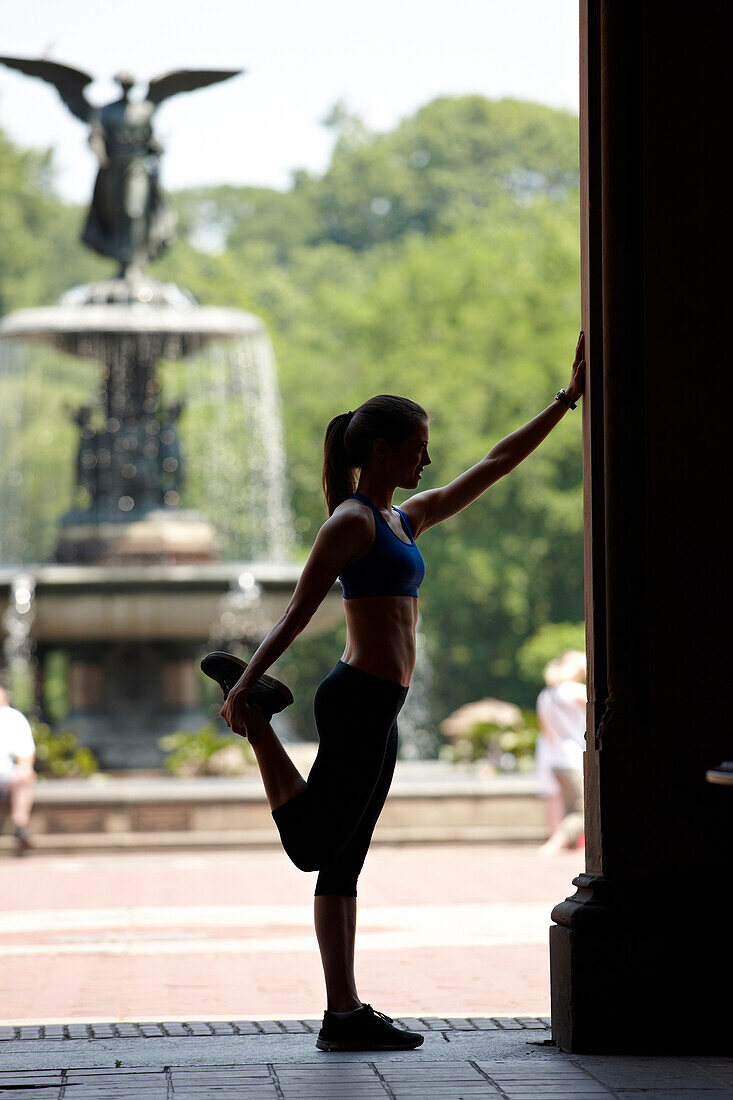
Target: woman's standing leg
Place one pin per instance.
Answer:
(335, 921)
(327, 823)
(335, 900)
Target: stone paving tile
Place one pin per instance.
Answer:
(270, 1027)
(103, 1089)
(675, 1094)
(246, 1027)
(78, 1031)
(175, 1029)
(431, 1071)
(552, 1081)
(219, 1073)
(31, 1033)
(721, 1068)
(626, 1072)
(129, 1031)
(132, 1076)
(150, 1031)
(54, 1031)
(315, 1086)
(294, 1027)
(582, 1092)
(248, 1089)
(411, 1023)
(125, 1072)
(328, 1069)
(484, 1023)
(100, 1031)
(560, 1089)
(14, 1081)
(312, 1090)
(31, 1093)
(198, 1028)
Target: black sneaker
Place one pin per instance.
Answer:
(269, 694)
(365, 1029)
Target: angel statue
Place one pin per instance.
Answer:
(129, 218)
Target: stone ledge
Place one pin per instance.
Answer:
(163, 812)
(198, 1029)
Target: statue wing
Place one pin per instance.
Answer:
(69, 83)
(186, 80)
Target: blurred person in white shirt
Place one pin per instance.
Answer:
(561, 714)
(17, 776)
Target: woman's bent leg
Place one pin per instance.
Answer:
(355, 713)
(339, 877)
(280, 777)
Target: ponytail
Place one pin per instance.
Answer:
(350, 437)
(339, 480)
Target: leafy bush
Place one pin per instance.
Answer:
(207, 752)
(549, 641)
(60, 754)
(506, 749)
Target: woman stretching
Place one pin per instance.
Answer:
(326, 822)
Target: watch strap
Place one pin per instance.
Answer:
(562, 396)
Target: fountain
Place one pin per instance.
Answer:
(131, 580)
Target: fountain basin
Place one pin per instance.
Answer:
(174, 330)
(87, 603)
(134, 636)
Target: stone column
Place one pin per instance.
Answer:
(641, 954)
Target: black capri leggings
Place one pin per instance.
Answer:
(329, 826)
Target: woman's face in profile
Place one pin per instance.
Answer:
(412, 456)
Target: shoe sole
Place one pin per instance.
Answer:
(325, 1044)
(278, 685)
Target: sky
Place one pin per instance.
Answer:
(383, 58)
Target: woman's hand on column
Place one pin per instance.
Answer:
(576, 387)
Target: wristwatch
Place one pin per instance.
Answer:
(562, 396)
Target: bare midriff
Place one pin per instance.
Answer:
(380, 636)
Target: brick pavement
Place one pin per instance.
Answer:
(457, 929)
(96, 951)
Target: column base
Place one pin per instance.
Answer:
(641, 966)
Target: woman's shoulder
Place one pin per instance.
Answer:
(351, 520)
(349, 531)
(353, 511)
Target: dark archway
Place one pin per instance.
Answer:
(641, 955)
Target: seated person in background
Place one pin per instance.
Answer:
(17, 754)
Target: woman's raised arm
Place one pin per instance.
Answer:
(426, 509)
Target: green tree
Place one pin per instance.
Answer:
(461, 290)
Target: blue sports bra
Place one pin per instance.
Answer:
(390, 566)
